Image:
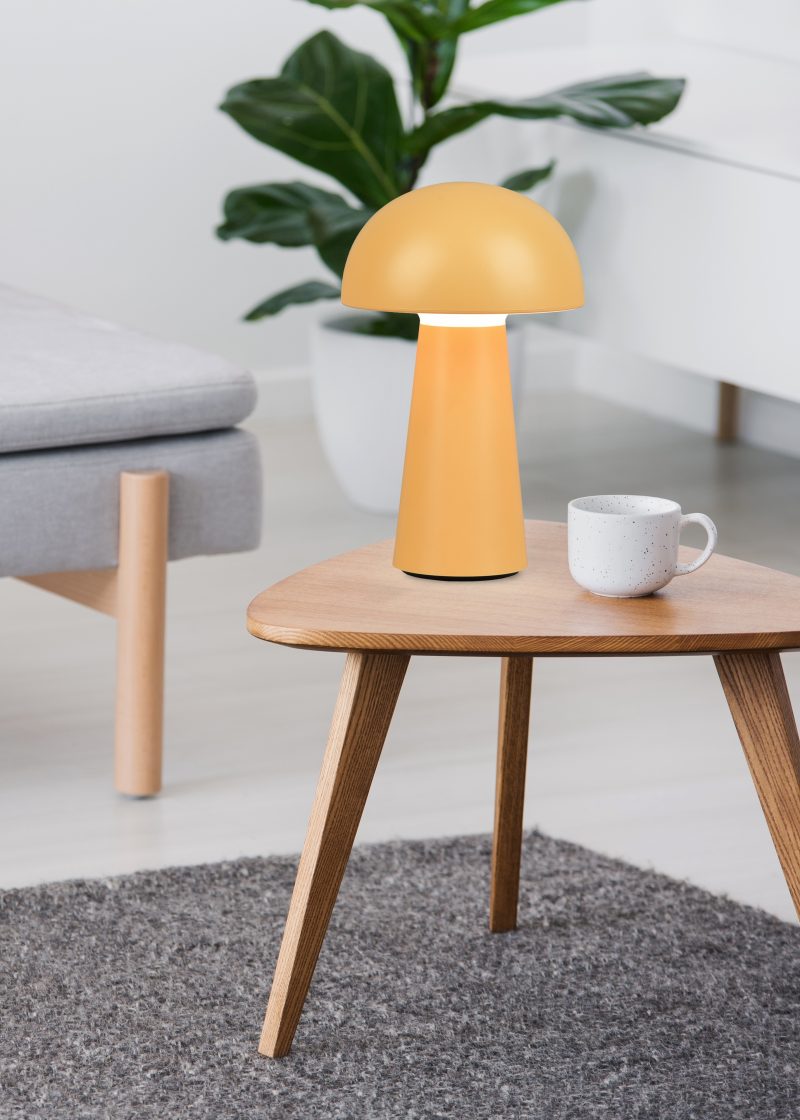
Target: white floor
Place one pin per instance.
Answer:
(246, 722)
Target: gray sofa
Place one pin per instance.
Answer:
(119, 452)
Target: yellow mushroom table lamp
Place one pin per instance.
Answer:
(462, 256)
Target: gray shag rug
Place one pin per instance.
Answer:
(623, 994)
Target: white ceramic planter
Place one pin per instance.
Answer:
(362, 396)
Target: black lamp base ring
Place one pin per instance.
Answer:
(460, 579)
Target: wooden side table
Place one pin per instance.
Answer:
(740, 613)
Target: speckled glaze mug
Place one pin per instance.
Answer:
(626, 545)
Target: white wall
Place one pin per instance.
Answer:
(115, 161)
(114, 158)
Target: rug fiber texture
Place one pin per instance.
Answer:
(623, 995)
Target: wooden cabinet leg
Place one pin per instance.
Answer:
(756, 691)
(367, 696)
(512, 752)
(140, 610)
(728, 402)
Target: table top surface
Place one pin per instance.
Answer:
(359, 601)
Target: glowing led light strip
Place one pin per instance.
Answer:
(462, 320)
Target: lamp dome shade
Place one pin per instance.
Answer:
(463, 248)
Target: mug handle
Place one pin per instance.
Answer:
(711, 544)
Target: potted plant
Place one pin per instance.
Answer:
(335, 110)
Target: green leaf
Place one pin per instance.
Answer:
(407, 17)
(392, 324)
(427, 34)
(334, 238)
(442, 59)
(527, 180)
(293, 214)
(431, 64)
(333, 109)
(388, 324)
(618, 102)
(308, 292)
(280, 213)
(425, 19)
(494, 11)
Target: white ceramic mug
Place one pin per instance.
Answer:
(626, 545)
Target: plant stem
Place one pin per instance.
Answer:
(429, 74)
(421, 97)
(413, 174)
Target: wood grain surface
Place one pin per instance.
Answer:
(359, 601)
(364, 708)
(141, 618)
(756, 691)
(96, 589)
(509, 798)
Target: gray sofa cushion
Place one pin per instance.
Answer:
(59, 509)
(67, 378)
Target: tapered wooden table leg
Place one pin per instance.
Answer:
(512, 753)
(756, 691)
(367, 696)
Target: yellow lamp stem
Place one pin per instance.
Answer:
(461, 503)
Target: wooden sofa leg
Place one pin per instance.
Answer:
(141, 603)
